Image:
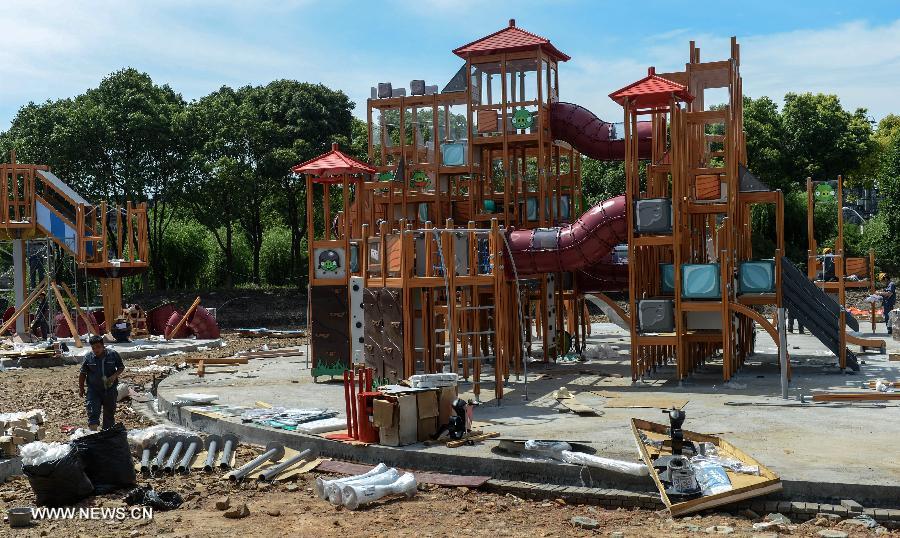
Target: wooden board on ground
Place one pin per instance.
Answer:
(217, 360)
(855, 396)
(575, 406)
(422, 477)
(270, 333)
(270, 354)
(894, 357)
(744, 486)
(617, 400)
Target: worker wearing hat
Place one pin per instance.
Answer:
(98, 383)
(888, 299)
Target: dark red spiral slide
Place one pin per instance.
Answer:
(584, 247)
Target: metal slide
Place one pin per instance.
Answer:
(815, 309)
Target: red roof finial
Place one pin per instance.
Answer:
(334, 146)
(512, 23)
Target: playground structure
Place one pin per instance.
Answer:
(457, 248)
(105, 242)
(836, 272)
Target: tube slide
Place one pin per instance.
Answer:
(582, 245)
(592, 136)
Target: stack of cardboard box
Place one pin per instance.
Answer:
(17, 429)
(404, 417)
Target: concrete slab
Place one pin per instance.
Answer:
(822, 451)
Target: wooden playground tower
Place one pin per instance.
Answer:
(698, 164)
(420, 243)
(106, 242)
(861, 269)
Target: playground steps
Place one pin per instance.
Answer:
(815, 309)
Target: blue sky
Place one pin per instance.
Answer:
(53, 49)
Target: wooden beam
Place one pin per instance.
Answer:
(24, 308)
(73, 328)
(184, 318)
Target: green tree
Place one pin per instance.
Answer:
(822, 140)
(220, 175)
(114, 142)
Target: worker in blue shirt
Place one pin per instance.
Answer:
(98, 383)
(888, 299)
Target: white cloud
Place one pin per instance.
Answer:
(858, 61)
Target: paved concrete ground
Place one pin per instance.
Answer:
(845, 447)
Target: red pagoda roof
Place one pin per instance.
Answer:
(651, 91)
(509, 39)
(331, 164)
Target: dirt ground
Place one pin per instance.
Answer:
(293, 509)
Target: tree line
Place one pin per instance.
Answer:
(225, 210)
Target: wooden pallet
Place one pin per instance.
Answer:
(744, 486)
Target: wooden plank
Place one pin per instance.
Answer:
(64, 310)
(220, 360)
(24, 308)
(422, 477)
(185, 317)
(855, 396)
(89, 323)
(472, 439)
(743, 486)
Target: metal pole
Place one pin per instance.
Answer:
(274, 451)
(145, 461)
(782, 352)
(161, 455)
(213, 442)
(170, 465)
(184, 467)
(229, 444)
(270, 474)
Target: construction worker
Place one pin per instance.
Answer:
(40, 327)
(100, 372)
(828, 266)
(888, 299)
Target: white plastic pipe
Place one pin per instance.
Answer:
(357, 494)
(616, 466)
(388, 477)
(323, 487)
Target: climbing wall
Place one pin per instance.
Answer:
(382, 309)
(330, 327)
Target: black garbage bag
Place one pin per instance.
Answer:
(59, 482)
(147, 496)
(107, 459)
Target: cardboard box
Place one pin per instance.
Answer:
(426, 428)
(403, 422)
(427, 405)
(445, 404)
(383, 412)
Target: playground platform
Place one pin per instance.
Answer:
(824, 452)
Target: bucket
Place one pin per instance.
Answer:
(19, 517)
